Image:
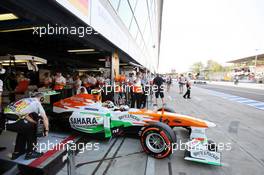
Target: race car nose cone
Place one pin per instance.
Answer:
(210, 124)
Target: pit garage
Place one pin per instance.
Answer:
(22, 50)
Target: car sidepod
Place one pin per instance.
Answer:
(87, 121)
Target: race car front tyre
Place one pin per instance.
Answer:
(157, 140)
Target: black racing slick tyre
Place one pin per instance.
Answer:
(167, 110)
(157, 140)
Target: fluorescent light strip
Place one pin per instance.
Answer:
(18, 63)
(16, 30)
(86, 53)
(5, 64)
(81, 50)
(7, 16)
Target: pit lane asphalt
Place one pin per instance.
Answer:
(254, 94)
(237, 124)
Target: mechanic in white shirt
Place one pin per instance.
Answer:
(131, 79)
(26, 112)
(137, 92)
(77, 83)
(92, 83)
(92, 80)
(86, 81)
(100, 80)
(69, 81)
(69, 85)
(60, 81)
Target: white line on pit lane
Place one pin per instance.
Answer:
(246, 101)
(236, 98)
(257, 104)
(242, 100)
(262, 108)
(150, 168)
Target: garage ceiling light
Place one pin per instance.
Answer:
(86, 53)
(7, 16)
(16, 30)
(81, 50)
(17, 61)
(6, 64)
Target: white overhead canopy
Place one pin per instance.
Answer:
(22, 59)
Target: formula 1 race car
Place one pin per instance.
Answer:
(86, 114)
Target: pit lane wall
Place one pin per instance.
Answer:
(132, 26)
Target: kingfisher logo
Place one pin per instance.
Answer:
(83, 121)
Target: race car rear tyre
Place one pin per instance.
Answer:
(157, 140)
(167, 110)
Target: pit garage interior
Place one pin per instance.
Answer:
(17, 38)
(61, 51)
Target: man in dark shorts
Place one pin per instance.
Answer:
(159, 88)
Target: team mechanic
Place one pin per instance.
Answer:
(27, 112)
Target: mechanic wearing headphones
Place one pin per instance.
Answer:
(27, 112)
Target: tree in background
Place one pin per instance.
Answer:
(211, 69)
(213, 66)
(197, 67)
